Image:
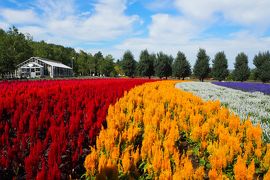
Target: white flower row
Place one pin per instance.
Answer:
(245, 104)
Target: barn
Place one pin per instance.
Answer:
(36, 67)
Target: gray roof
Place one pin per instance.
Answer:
(53, 63)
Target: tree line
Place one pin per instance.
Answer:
(16, 47)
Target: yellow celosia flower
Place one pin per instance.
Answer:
(126, 163)
(267, 175)
(251, 170)
(266, 159)
(199, 173)
(240, 169)
(91, 162)
(213, 174)
(163, 132)
(102, 163)
(136, 156)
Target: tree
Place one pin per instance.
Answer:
(3, 55)
(14, 49)
(128, 64)
(163, 66)
(98, 57)
(107, 65)
(181, 67)
(146, 64)
(18, 46)
(220, 67)
(201, 67)
(84, 61)
(241, 70)
(262, 63)
(42, 49)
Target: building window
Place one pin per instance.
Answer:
(32, 70)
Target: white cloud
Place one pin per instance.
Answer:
(244, 12)
(59, 18)
(171, 33)
(19, 16)
(4, 25)
(168, 27)
(56, 9)
(59, 21)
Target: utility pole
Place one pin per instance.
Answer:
(72, 59)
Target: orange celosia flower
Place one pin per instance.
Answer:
(199, 173)
(213, 174)
(102, 163)
(240, 169)
(251, 170)
(91, 162)
(158, 130)
(267, 175)
(126, 163)
(136, 156)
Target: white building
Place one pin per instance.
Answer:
(41, 67)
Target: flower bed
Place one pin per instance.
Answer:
(46, 127)
(157, 131)
(245, 86)
(255, 105)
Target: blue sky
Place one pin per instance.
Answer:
(113, 26)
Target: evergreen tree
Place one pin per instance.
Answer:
(241, 70)
(181, 67)
(262, 63)
(220, 67)
(201, 67)
(128, 64)
(163, 66)
(146, 64)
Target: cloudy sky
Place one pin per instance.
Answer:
(113, 26)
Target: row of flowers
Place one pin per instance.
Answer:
(254, 105)
(246, 86)
(46, 127)
(157, 131)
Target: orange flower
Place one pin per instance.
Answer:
(240, 169)
(213, 174)
(102, 163)
(199, 173)
(267, 175)
(251, 170)
(159, 128)
(90, 162)
(136, 156)
(126, 163)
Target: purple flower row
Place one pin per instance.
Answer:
(246, 86)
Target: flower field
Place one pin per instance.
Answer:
(159, 132)
(254, 105)
(67, 128)
(249, 87)
(46, 127)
